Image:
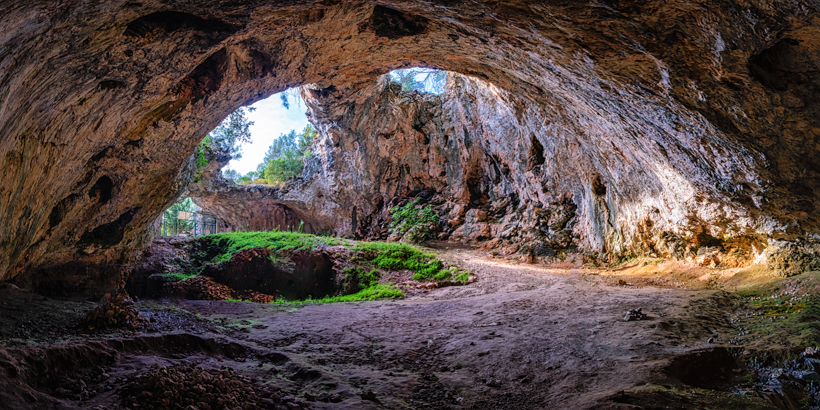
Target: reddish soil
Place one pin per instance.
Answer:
(522, 336)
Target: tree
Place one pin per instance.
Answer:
(226, 138)
(229, 136)
(286, 95)
(420, 79)
(230, 175)
(172, 214)
(286, 156)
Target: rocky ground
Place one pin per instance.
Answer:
(522, 336)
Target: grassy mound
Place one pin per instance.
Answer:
(398, 256)
(228, 244)
(362, 275)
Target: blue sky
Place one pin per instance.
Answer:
(271, 120)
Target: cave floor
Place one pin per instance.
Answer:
(522, 336)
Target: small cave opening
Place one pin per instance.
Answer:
(536, 157)
(101, 190)
(598, 186)
(774, 66)
(422, 80)
(164, 22)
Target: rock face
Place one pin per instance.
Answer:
(494, 174)
(245, 207)
(653, 120)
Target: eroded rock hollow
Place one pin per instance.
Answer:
(610, 127)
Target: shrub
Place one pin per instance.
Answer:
(413, 223)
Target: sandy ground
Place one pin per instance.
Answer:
(521, 337)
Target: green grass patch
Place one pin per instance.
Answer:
(378, 291)
(463, 276)
(356, 279)
(777, 307)
(181, 276)
(229, 243)
(778, 323)
(174, 276)
(398, 256)
(361, 278)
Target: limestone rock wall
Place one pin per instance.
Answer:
(496, 165)
(103, 102)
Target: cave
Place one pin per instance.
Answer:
(584, 160)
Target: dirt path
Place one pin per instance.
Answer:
(521, 337)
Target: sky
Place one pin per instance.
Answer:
(271, 120)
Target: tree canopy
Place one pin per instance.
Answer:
(229, 136)
(420, 79)
(286, 157)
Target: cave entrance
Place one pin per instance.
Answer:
(278, 136)
(249, 166)
(256, 149)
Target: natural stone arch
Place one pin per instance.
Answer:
(124, 91)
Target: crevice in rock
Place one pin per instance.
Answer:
(59, 212)
(111, 233)
(536, 154)
(205, 79)
(393, 24)
(597, 184)
(164, 22)
(101, 191)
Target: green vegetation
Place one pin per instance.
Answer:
(379, 291)
(412, 222)
(230, 243)
(172, 213)
(178, 276)
(227, 138)
(380, 255)
(623, 261)
(284, 160)
(362, 277)
(420, 79)
(398, 256)
(286, 95)
(356, 279)
(286, 157)
(779, 315)
(172, 276)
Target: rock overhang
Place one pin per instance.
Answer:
(723, 142)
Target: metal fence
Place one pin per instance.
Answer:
(191, 227)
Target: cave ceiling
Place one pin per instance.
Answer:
(708, 107)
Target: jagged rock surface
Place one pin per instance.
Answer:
(709, 107)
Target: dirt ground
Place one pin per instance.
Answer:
(521, 337)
